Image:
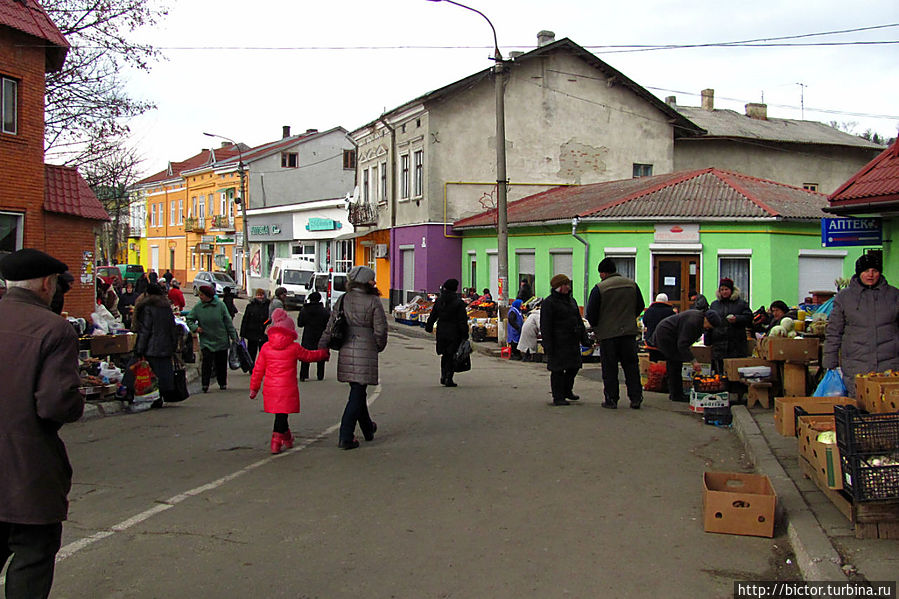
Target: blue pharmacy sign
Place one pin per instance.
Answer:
(842, 232)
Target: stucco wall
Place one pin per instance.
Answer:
(437, 257)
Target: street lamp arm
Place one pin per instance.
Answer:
(496, 53)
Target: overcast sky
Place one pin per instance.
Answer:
(248, 93)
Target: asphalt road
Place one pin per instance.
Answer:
(485, 490)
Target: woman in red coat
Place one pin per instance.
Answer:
(277, 363)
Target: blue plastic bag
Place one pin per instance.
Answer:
(831, 385)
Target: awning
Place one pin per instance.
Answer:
(352, 235)
(225, 190)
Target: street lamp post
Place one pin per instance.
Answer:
(502, 224)
(241, 171)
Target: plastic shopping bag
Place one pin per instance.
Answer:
(144, 379)
(462, 359)
(831, 385)
(234, 356)
(243, 355)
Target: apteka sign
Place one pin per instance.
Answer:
(842, 232)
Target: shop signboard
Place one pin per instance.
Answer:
(223, 239)
(844, 232)
(323, 224)
(265, 230)
(207, 238)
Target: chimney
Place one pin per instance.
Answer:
(708, 99)
(545, 37)
(671, 101)
(225, 144)
(758, 111)
(515, 54)
(311, 131)
(285, 131)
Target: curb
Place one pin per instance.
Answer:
(815, 555)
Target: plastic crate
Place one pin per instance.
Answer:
(862, 439)
(718, 416)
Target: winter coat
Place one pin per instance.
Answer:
(563, 332)
(313, 318)
(277, 363)
(213, 317)
(613, 307)
(729, 340)
(140, 286)
(252, 325)
(515, 319)
(529, 331)
(176, 296)
(863, 330)
(39, 374)
(273, 305)
(452, 322)
(157, 336)
(126, 300)
(228, 300)
(676, 334)
(654, 314)
(357, 361)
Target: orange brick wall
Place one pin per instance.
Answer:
(67, 238)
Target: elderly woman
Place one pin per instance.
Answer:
(452, 328)
(211, 320)
(357, 361)
(863, 329)
(563, 333)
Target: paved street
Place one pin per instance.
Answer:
(480, 491)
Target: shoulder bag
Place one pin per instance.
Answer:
(340, 328)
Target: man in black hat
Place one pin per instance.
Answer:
(39, 378)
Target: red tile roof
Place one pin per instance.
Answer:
(876, 183)
(704, 194)
(28, 16)
(176, 168)
(67, 192)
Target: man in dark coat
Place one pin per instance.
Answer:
(39, 377)
(452, 328)
(673, 337)
(252, 325)
(313, 319)
(563, 333)
(140, 286)
(729, 339)
(228, 300)
(612, 310)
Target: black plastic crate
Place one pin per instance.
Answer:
(864, 439)
(866, 482)
(718, 416)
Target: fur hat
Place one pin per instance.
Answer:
(361, 274)
(713, 317)
(280, 320)
(662, 297)
(451, 285)
(867, 261)
(607, 265)
(559, 280)
(726, 282)
(30, 263)
(207, 290)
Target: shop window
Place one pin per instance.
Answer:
(9, 94)
(736, 269)
(642, 170)
(290, 160)
(349, 159)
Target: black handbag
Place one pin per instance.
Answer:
(180, 393)
(340, 328)
(462, 359)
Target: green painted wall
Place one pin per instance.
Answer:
(890, 254)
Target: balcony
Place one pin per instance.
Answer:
(223, 223)
(362, 214)
(195, 225)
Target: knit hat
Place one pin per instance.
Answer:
(713, 317)
(517, 303)
(280, 320)
(361, 274)
(867, 261)
(559, 280)
(314, 297)
(726, 282)
(30, 263)
(607, 265)
(451, 285)
(662, 297)
(207, 290)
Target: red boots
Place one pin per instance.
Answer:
(282, 441)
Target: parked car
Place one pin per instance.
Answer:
(331, 285)
(218, 280)
(131, 272)
(111, 275)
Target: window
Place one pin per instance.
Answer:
(173, 213)
(404, 177)
(9, 91)
(383, 172)
(526, 264)
(10, 232)
(180, 213)
(375, 189)
(344, 258)
(152, 215)
(349, 159)
(223, 203)
(736, 269)
(817, 270)
(625, 259)
(473, 271)
(810, 186)
(642, 170)
(561, 263)
(370, 257)
(201, 215)
(365, 178)
(193, 210)
(290, 160)
(419, 167)
(303, 249)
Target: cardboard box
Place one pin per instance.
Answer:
(823, 457)
(644, 363)
(699, 401)
(799, 349)
(732, 366)
(873, 392)
(687, 373)
(738, 504)
(102, 345)
(784, 414)
(702, 353)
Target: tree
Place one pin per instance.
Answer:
(87, 107)
(109, 178)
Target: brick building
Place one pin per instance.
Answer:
(41, 206)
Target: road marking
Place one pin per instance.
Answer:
(166, 504)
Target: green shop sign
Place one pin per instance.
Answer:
(265, 229)
(322, 224)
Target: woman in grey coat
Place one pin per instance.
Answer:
(863, 329)
(357, 360)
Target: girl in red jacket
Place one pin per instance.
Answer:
(277, 362)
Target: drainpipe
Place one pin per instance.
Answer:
(574, 224)
(392, 255)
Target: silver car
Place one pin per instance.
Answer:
(217, 280)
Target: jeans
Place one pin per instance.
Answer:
(624, 350)
(221, 367)
(33, 548)
(356, 411)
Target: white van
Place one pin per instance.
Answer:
(331, 285)
(295, 275)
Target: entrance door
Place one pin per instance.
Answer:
(677, 276)
(408, 256)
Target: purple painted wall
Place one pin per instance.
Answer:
(440, 258)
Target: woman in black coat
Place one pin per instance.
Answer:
(252, 325)
(452, 328)
(563, 333)
(157, 338)
(228, 300)
(313, 319)
(729, 339)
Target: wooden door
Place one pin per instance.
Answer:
(677, 276)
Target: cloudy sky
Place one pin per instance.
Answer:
(244, 69)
